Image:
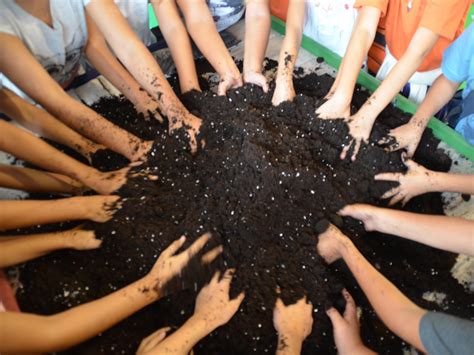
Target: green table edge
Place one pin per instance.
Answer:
(440, 130)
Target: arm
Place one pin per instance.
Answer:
(419, 180)
(257, 31)
(213, 309)
(426, 229)
(203, 31)
(403, 316)
(18, 249)
(177, 38)
(26, 213)
(23, 69)
(31, 180)
(21, 332)
(409, 135)
(284, 90)
(26, 146)
(100, 56)
(133, 54)
(360, 124)
(42, 123)
(340, 95)
(293, 324)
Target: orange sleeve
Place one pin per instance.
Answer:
(445, 17)
(379, 4)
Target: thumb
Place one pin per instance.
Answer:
(335, 317)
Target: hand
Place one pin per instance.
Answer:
(229, 81)
(80, 239)
(256, 78)
(170, 265)
(213, 305)
(359, 129)
(406, 137)
(107, 183)
(294, 321)
(149, 107)
(416, 181)
(331, 243)
(150, 342)
(141, 150)
(366, 213)
(284, 91)
(334, 108)
(191, 123)
(346, 328)
(100, 208)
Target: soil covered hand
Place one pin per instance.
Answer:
(148, 344)
(149, 107)
(293, 323)
(359, 129)
(416, 181)
(170, 264)
(191, 123)
(334, 108)
(80, 239)
(107, 183)
(213, 305)
(405, 137)
(346, 328)
(229, 81)
(100, 208)
(331, 243)
(367, 214)
(256, 78)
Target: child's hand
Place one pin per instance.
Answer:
(213, 305)
(284, 91)
(294, 322)
(331, 243)
(366, 213)
(79, 239)
(253, 77)
(359, 129)
(334, 108)
(148, 107)
(150, 342)
(99, 208)
(416, 181)
(108, 182)
(191, 123)
(229, 81)
(170, 265)
(346, 328)
(407, 137)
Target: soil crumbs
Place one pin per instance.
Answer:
(266, 177)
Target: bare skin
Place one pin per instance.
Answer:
(408, 136)
(26, 146)
(346, 329)
(23, 332)
(41, 122)
(403, 316)
(213, 309)
(419, 180)
(293, 324)
(139, 62)
(427, 229)
(257, 31)
(26, 213)
(31, 180)
(284, 90)
(18, 249)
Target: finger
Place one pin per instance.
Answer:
(155, 338)
(350, 313)
(410, 164)
(388, 177)
(390, 193)
(397, 198)
(394, 147)
(264, 86)
(215, 278)
(384, 140)
(236, 302)
(356, 149)
(405, 200)
(157, 116)
(197, 245)
(174, 247)
(210, 256)
(222, 88)
(347, 210)
(335, 317)
(135, 164)
(279, 305)
(345, 150)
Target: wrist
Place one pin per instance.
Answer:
(149, 287)
(290, 343)
(199, 325)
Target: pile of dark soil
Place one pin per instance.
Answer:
(265, 178)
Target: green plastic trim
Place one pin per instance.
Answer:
(440, 130)
(152, 21)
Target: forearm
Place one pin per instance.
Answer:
(26, 213)
(428, 229)
(182, 341)
(19, 249)
(31, 333)
(403, 316)
(449, 182)
(257, 30)
(31, 180)
(178, 41)
(288, 345)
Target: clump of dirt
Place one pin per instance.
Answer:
(265, 179)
